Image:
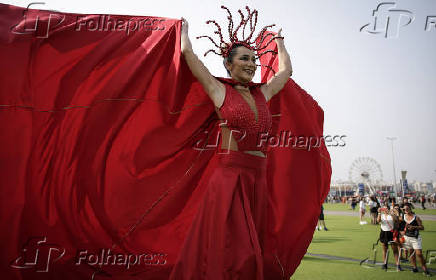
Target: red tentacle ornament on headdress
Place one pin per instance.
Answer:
(223, 48)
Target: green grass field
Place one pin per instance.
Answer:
(347, 238)
(347, 207)
(322, 269)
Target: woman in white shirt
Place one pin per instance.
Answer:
(388, 224)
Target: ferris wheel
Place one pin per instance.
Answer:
(367, 171)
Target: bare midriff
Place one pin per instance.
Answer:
(229, 143)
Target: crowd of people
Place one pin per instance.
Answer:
(423, 200)
(399, 226)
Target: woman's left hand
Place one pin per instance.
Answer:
(279, 34)
(185, 43)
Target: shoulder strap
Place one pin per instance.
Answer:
(387, 221)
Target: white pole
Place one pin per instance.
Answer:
(392, 139)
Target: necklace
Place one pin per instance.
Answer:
(234, 82)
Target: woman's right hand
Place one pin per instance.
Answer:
(185, 43)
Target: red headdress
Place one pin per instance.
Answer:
(249, 42)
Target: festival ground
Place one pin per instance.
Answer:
(336, 253)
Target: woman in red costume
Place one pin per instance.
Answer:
(229, 236)
(108, 154)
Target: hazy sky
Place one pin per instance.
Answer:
(369, 86)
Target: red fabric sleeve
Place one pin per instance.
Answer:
(299, 174)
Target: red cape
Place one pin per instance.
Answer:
(103, 145)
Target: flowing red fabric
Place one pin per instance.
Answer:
(106, 145)
(229, 237)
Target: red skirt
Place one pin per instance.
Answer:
(227, 237)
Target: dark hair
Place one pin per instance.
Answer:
(232, 53)
(408, 204)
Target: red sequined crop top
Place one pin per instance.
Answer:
(249, 134)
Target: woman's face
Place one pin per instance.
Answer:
(243, 66)
(406, 209)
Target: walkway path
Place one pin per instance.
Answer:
(356, 214)
(336, 258)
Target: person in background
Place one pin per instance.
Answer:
(381, 200)
(413, 240)
(353, 203)
(362, 210)
(405, 201)
(373, 204)
(321, 223)
(423, 200)
(404, 254)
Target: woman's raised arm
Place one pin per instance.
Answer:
(276, 83)
(214, 88)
